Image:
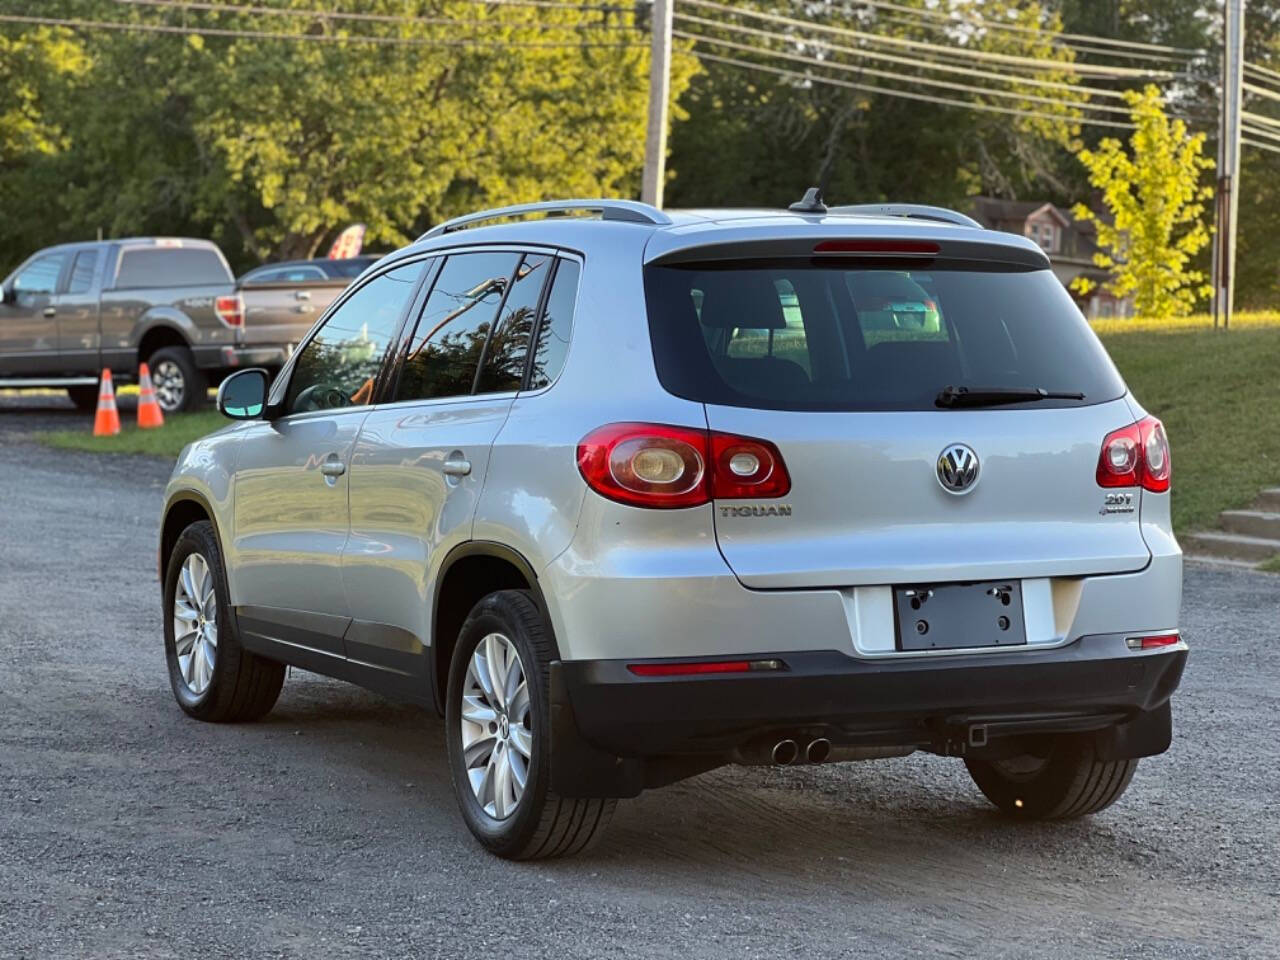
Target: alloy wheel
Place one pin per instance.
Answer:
(497, 726)
(195, 623)
(170, 385)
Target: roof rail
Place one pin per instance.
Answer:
(917, 211)
(627, 211)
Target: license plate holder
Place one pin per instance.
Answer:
(955, 616)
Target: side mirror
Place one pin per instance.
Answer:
(243, 395)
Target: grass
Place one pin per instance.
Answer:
(179, 429)
(1219, 397)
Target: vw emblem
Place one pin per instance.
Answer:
(958, 468)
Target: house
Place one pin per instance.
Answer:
(1070, 244)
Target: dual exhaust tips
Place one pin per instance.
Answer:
(786, 752)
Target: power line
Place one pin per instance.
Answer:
(1003, 58)
(304, 37)
(1258, 119)
(1260, 132)
(1262, 72)
(979, 20)
(1273, 148)
(924, 64)
(311, 14)
(871, 71)
(1261, 91)
(908, 95)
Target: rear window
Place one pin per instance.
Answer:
(171, 267)
(800, 336)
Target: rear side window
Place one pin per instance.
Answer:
(82, 271)
(444, 352)
(557, 323)
(883, 336)
(508, 349)
(171, 267)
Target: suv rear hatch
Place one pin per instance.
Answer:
(840, 362)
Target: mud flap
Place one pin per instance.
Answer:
(579, 769)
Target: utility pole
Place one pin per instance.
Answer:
(1228, 193)
(655, 143)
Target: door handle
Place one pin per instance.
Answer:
(333, 468)
(456, 467)
(302, 295)
(49, 311)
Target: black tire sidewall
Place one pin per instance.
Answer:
(495, 614)
(200, 538)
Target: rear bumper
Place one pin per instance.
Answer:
(225, 357)
(947, 704)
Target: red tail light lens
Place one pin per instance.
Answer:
(1136, 456)
(230, 310)
(656, 465)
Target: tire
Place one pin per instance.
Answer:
(180, 385)
(242, 685)
(541, 824)
(1071, 781)
(85, 398)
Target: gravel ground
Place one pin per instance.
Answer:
(329, 829)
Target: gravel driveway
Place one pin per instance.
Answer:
(329, 829)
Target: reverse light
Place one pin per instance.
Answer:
(662, 466)
(1136, 456)
(1152, 643)
(702, 667)
(230, 310)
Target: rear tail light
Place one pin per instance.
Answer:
(1136, 456)
(230, 310)
(655, 465)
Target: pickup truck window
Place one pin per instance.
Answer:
(40, 275)
(284, 275)
(171, 267)
(82, 270)
(339, 365)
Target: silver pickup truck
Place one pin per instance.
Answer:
(71, 310)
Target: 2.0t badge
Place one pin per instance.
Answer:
(958, 468)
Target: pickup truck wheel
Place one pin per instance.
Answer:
(178, 381)
(497, 727)
(213, 677)
(1070, 781)
(85, 398)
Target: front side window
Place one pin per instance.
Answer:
(82, 271)
(40, 276)
(803, 336)
(447, 343)
(339, 365)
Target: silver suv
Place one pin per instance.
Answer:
(627, 495)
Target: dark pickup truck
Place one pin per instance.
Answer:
(71, 310)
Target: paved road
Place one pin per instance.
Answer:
(329, 829)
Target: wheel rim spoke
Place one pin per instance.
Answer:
(495, 722)
(195, 624)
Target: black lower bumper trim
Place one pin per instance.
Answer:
(606, 717)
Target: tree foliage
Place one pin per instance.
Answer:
(1155, 195)
(34, 68)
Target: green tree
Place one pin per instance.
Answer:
(34, 66)
(1155, 196)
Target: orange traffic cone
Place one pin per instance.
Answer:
(106, 422)
(149, 414)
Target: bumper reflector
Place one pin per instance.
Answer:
(1150, 643)
(702, 667)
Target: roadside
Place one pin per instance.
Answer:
(330, 829)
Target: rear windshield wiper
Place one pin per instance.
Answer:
(953, 396)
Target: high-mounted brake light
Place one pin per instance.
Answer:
(1136, 456)
(908, 247)
(657, 465)
(230, 310)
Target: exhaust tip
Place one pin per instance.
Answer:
(818, 750)
(785, 752)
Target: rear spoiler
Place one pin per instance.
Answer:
(829, 246)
